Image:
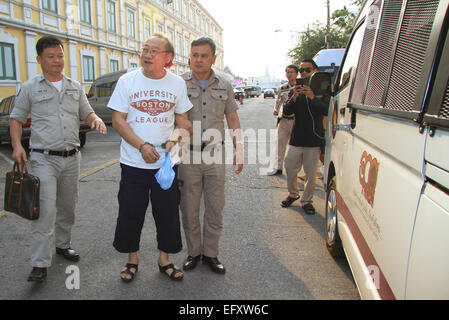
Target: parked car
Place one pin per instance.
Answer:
(269, 93)
(252, 91)
(239, 93)
(100, 92)
(6, 107)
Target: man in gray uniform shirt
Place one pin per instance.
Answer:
(213, 101)
(56, 104)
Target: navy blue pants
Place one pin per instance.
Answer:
(137, 186)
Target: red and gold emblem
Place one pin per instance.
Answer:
(153, 107)
(368, 182)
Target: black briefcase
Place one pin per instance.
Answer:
(22, 192)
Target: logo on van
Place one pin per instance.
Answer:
(369, 165)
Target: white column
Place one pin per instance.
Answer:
(100, 8)
(102, 61)
(123, 15)
(125, 60)
(30, 47)
(73, 61)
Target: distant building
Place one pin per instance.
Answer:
(99, 36)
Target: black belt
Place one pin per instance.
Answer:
(63, 154)
(288, 117)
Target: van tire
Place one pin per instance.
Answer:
(333, 241)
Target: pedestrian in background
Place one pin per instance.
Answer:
(284, 122)
(146, 102)
(306, 139)
(56, 104)
(213, 100)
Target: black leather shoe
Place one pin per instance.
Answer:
(190, 262)
(38, 274)
(69, 254)
(214, 264)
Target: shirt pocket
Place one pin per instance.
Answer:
(70, 103)
(42, 103)
(219, 99)
(193, 93)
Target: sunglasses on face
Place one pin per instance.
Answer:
(302, 70)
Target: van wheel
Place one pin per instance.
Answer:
(333, 241)
(83, 138)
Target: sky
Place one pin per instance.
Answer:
(251, 42)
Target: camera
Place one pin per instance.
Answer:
(302, 81)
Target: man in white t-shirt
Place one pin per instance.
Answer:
(145, 104)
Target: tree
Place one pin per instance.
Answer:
(310, 41)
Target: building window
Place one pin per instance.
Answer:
(110, 19)
(113, 65)
(179, 46)
(88, 69)
(85, 14)
(133, 65)
(131, 25)
(7, 62)
(50, 5)
(147, 29)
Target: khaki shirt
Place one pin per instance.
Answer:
(281, 98)
(210, 104)
(55, 116)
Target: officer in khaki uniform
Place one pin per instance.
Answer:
(213, 100)
(56, 104)
(285, 123)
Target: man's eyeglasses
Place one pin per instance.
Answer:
(151, 52)
(302, 70)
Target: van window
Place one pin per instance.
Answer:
(352, 56)
(379, 72)
(91, 92)
(105, 89)
(363, 66)
(4, 105)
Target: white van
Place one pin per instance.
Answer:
(387, 155)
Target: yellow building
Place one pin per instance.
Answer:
(99, 36)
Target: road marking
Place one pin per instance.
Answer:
(82, 175)
(6, 158)
(98, 168)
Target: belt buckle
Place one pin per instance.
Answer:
(65, 153)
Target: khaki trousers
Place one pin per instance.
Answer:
(58, 196)
(284, 129)
(296, 158)
(207, 180)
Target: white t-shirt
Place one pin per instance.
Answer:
(151, 105)
(58, 85)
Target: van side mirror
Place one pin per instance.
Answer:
(320, 83)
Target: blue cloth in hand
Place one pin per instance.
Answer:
(166, 174)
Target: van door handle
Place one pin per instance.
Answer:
(341, 127)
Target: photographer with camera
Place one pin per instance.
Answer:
(307, 136)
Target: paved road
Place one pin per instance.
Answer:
(269, 252)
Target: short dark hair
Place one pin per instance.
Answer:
(45, 42)
(292, 66)
(205, 40)
(314, 65)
